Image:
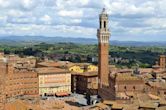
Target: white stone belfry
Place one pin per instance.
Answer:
(103, 31)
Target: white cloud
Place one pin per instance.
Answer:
(46, 19)
(15, 13)
(62, 4)
(4, 3)
(72, 13)
(156, 22)
(125, 7)
(80, 17)
(3, 20)
(29, 4)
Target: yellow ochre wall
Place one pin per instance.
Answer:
(54, 83)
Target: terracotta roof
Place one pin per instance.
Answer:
(143, 97)
(162, 55)
(122, 95)
(61, 64)
(21, 105)
(148, 76)
(46, 70)
(117, 106)
(124, 71)
(50, 64)
(101, 106)
(153, 97)
(158, 84)
(162, 102)
(131, 107)
(159, 71)
(156, 66)
(52, 85)
(130, 93)
(62, 94)
(161, 108)
(112, 66)
(145, 70)
(88, 74)
(109, 102)
(82, 64)
(123, 77)
(147, 105)
(66, 64)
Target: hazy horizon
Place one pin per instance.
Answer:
(130, 20)
(68, 38)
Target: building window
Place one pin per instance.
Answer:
(165, 93)
(125, 87)
(134, 87)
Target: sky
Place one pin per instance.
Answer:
(130, 20)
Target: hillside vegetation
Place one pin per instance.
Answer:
(125, 56)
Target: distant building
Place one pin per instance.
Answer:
(94, 59)
(162, 61)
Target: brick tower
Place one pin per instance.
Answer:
(103, 43)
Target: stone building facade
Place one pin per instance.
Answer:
(20, 77)
(54, 81)
(54, 78)
(125, 86)
(85, 83)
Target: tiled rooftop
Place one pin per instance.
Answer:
(49, 70)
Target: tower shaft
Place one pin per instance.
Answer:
(103, 57)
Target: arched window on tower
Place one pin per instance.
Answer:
(104, 24)
(100, 24)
